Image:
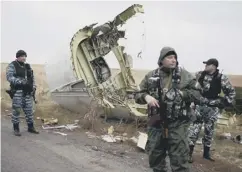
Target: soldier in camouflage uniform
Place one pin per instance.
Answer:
(177, 89)
(212, 82)
(18, 75)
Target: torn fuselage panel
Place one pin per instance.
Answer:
(90, 45)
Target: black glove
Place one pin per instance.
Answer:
(221, 104)
(20, 82)
(225, 102)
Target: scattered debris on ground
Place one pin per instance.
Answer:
(49, 121)
(54, 119)
(63, 134)
(67, 126)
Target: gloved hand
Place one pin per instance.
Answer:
(224, 102)
(21, 82)
(24, 82)
(228, 102)
(151, 101)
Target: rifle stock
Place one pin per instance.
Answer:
(10, 93)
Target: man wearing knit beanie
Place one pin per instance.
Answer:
(22, 83)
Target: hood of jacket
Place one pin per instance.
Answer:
(164, 52)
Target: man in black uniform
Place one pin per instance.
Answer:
(20, 76)
(212, 82)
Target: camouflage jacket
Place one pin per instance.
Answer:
(187, 89)
(224, 85)
(12, 78)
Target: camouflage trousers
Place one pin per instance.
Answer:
(176, 146)
(22, 102)
(207, 116)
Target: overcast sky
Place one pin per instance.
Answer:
(197, 30)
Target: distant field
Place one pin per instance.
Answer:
(41, 78)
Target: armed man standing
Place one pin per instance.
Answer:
(20, 76)
(212, 82)
(168, 91)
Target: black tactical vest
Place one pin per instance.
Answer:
(215, 86)
(20, 69)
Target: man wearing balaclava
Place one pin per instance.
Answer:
(20, 76)
(211, 82)
(168, 91)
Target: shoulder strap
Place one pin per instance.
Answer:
(219, 76)
(15, 66)
(27, 66)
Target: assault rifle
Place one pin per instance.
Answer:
(11, 93)
(162, 109)
(158, 114)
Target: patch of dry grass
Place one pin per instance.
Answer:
(224, 149)
(229, 151)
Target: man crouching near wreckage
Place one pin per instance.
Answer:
(20, 76)
(168, 91)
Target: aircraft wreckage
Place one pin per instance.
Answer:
(95, 82)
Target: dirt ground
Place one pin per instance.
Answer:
(227, 153)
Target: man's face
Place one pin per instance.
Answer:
(21, 58)
(169, 61)
(209, 68)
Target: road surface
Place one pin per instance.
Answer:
(74, 153)
(55, 153)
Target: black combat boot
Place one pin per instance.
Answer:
(190, 160)
(16, 129)
(206, 153)
(31, 129)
